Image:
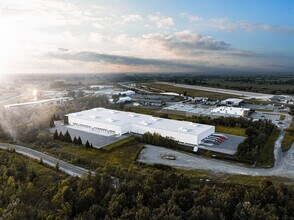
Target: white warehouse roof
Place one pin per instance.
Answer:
(233, 100)
(230, 110)
(129, 119)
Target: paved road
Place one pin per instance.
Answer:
(224, 91)
(64, 166)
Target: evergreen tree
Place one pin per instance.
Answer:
(87, 145)
(75, 141)
(91, 146)
(79, 142)
(55, 135)
(67, 137)
(61, 137)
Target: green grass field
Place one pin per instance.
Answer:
(230, 130)
(190, 92)
(267, 158)
(288, 140)
(120, 154)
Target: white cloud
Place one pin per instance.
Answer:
(130, 18)
(161, 21)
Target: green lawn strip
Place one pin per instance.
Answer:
(125, 141)
(190, 92)
(139, 110)
(267, 157)
(289, 137)
(230, 130)
(288, 140)
(282, 117)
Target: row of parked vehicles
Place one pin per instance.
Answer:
(214, 139)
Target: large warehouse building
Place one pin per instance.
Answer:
(112, 122)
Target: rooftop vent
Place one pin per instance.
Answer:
(94, 116)
(110, 120)
(183, 129)
(193, 124)
(155, 119)
(144, 123)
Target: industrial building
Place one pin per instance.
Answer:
(100, 87)
(111, 92)
(232, 111)
(113, 122)
(213, 112)
(55, 101)
(233, 102)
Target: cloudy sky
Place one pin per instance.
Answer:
(80, 36)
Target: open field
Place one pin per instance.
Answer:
(120, 155)
(191, 92)
(230, 130)
(267, 158)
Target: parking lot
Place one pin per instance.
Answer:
(229, 146)
(96, 139)
(263, 116)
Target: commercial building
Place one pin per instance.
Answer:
(232, 111)
(232, 102)
(112, 122)
(213, 112)
(55, 101)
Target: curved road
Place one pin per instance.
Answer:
(64, 166)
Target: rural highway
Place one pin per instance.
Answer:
(224, 91)
(63, 166)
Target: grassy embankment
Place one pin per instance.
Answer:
(267, 158)
(289, 137)
(121, 153)
(190, 92)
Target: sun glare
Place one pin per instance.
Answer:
(35, 92)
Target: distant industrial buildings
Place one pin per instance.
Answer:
(213, 112)
(112, 122)
(55, 101)
(100, 87)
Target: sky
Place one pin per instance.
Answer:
(99, 36)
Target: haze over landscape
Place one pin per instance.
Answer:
(158, 109)
(219, 36)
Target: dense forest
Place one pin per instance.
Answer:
(30, 191)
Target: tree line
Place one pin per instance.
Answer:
(31, 191)
(67, 138)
